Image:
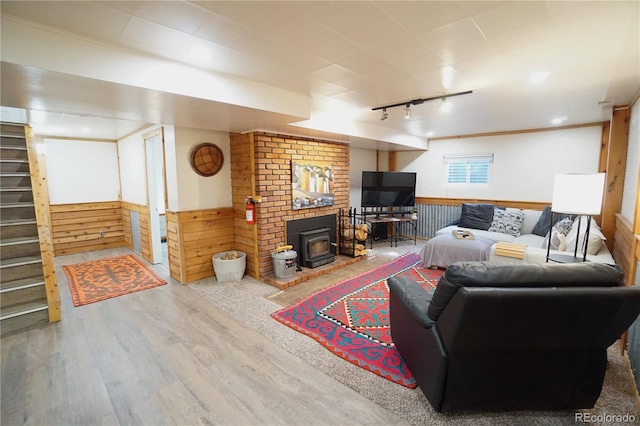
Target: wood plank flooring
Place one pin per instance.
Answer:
(163, 356)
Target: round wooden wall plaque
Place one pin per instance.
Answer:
(206, 159)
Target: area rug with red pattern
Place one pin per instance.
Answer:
(102, 279)
(351, 318)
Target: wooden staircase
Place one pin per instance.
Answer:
(23, 291)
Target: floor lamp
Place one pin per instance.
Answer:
(576, 194)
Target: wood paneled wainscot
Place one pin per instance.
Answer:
(84, 227)
(144, 218)
(625, 248)
(193, 237)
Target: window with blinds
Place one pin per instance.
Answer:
(468, 169)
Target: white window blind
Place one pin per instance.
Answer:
(468, 168)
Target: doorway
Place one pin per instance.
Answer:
(156, 194)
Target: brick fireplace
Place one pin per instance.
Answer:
(264, 161)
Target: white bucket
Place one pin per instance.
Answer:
(229, 269)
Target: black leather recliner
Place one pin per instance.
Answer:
(495, 336)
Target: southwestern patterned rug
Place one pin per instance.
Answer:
(102, 279)
(351, 318)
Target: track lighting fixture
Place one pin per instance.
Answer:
(407, 105)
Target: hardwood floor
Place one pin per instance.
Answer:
(164, 356)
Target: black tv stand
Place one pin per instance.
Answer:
(386, 217)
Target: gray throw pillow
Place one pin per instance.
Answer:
(541, 228)
(476, 216)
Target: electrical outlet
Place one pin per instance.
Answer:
(101, 234)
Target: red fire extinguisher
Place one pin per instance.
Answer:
(250, 211)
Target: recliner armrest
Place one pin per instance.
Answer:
(414, 297)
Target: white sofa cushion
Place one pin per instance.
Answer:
(558, 235)
(529, 220)
(596, 237)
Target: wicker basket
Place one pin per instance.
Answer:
(229, 269)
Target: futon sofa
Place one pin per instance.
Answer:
(496, 336)
(530, 228)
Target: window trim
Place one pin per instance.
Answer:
(467, 158)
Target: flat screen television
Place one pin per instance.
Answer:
(388, 189)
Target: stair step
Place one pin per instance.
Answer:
(16, 205)
(11, 129)
(17, 222)
(17, 189)
(15, 174)
(19, 247)
(7, 242)
(21, 284)
(24, 309)
(23, 322)
(22, 296)
(21, 267)
(18, 228)
(20, 261)
(10, 150)
(15, 160)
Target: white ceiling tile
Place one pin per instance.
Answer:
(363, 24)
(459, 32)
(128, 7)
(474, 7)
(87, 18)
(537, 32)
(510, 16)
(409, 56)
(148, 33)
(419, 17)
(465, 52)
(325, 88)
(333, 72)
(483, 74)
(435, 80)
(263, 16)
(181, 16)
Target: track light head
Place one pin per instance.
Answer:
(384, 115)
(407, 111)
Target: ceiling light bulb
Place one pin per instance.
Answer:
(384, 114)
(445, 106)
(407, 111)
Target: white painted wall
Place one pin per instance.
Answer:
(359, 160)
(524, 164)
(196, 192)
(133, 172)
(81, 171)
(630, 188)
(171, 168)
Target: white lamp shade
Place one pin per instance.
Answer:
(578, 193)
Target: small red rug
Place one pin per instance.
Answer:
(102, 279)
(351, 318)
